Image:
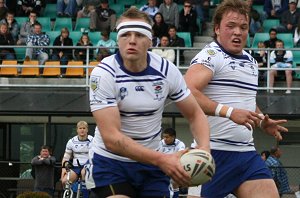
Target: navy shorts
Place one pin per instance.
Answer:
(232, 169)
(146, 180)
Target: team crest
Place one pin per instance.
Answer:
(123, 92)
(211, 52)
(158, 89)
(95, 83)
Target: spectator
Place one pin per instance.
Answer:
(188, 19)
(255, 24)
(3, 9)
(44, 165)
(6, 39)
(27, 28)
(274, 9)
(106, 42)
(25, 7)
(176, 41)
(202, 8)
(81, 53)
(261, 56)
(167, 53)
(151, 9)
(264, 155)
(272, 40)
(170, 144)
(160, 28)
(86, 11)
(169, 10)
(11, 5)
(62, 54)
(297, 35)
(289, 18)
(103, 18)
(278, 172)
(12, 24)
(281, 59)
(37, 38)
(66, 8)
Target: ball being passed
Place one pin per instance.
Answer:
(199, 164)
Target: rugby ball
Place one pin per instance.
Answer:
(199, 164)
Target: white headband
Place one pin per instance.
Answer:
(135, 26)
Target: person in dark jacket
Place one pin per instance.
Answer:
(24, 7)
(188, 19)
(80, 53)
(62, 54)
(12, 24)
(176, 41)
(6, 39)
(160, 28)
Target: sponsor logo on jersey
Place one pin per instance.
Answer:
(95, 80)
(211, 52)
(158, 89)
(139, 88)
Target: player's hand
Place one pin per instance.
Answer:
(171, 166)
(245, 117)
(273, 127)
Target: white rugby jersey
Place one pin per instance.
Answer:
(234, 83)
(140, 98)
(171, 148)
(79, 149)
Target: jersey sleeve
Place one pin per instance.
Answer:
(209, 57)
(69, 149)
(102, 89)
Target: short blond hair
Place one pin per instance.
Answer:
(82, 123)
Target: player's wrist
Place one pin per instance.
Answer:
(223, 111)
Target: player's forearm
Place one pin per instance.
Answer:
(127, 147)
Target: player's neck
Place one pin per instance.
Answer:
(135, 66)
(82, 138)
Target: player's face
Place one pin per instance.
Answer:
(232, 32)
(168, 138)
(133, 46)
(82, 131)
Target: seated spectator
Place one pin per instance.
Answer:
(12, 25)
(27, 28)
(159, 28)
(202, 8)
(273, 38)
(37, 38)
(150, 8)
(274, 9)
(103, 18)
(281, 59)
(6, 39)
(3, 9)
(188, 19)
(168, 54)
(62, 54)
(81, 53)
(106, 42)
(169, 10)
(66, 8)
(86, 11)
(289, 19)
(25, 7)
(176, 41)
(297, 35)
(261, 57)
(255, 24)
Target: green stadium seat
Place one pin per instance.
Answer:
(75, 36)
(53, 35)
(113, 36)
(21, 20)
(95, 37)
(287, 39)
(187, 38)
(270, 23)
(259, 9)
(46, 23)
(260, 36)
(20, 53)
(62, 23)
(117, 8)
(50, 11)
(82, 23)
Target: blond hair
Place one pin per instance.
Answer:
(82, 123)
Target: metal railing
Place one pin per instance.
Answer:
(84, 82)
